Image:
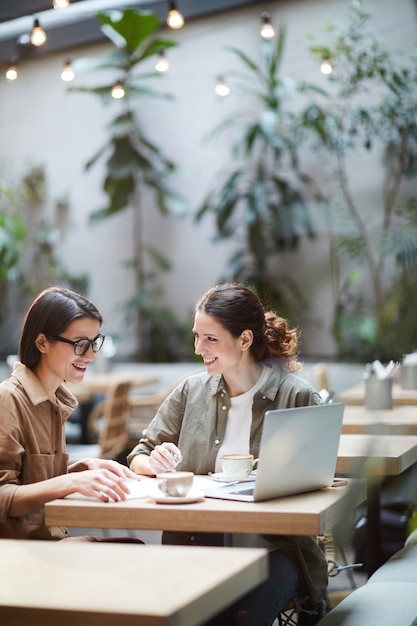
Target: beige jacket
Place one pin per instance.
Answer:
(32, 447)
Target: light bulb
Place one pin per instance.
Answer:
(174, 20)
(326, 67)
(267, 31)
(162, 63)
(67, 72)
(60, 4)
(118, 91)
(38, 35)
(221, 89)
(11, 73)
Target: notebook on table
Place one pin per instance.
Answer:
(298, 453)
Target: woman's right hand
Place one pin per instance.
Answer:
(103, 484)
(165, 458)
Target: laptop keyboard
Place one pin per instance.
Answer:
(244, 492)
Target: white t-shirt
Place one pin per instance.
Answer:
(239, 420)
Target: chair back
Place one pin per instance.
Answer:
(115, 411)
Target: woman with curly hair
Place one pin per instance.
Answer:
(251, 364)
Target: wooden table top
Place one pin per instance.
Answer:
(304, 514)
(401, 420)
(375, 455)
(400, 396)
(45, 583)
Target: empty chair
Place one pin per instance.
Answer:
(107, 425)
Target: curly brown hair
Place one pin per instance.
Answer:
(238, 308)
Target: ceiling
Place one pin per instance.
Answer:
(76, 26)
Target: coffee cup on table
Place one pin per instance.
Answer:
(238, 466)
(175, 484)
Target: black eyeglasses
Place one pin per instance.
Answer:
(81, 346)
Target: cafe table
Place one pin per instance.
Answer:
(303, 514)
(356, 395)
(400, 420)
(45, 583)
(374, 457)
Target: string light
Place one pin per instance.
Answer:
(38, 35)
(326, 67)
(162, 64)
(67, 73)
(118, 90)
(11, 72)
(174, 20)
(60, 4)
(221, 89)
(267, 31)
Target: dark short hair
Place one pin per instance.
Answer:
(51, 313)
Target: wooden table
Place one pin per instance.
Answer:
(373, 457)
(304, 514)
(401, 420)
(48, 583)
(400, 396)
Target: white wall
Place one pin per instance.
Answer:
(40, 122)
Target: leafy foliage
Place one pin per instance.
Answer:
(133, 161)
(370, 111)
(262, 201)
(28, 250)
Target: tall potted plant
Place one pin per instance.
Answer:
(134, 161)
(369, 111)
(261, 202)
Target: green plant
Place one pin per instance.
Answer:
(12, 232)
(369, 111)
(134, 162)
(261, 202)
(28, 250)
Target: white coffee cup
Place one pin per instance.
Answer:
(175, 484)
(238, 466)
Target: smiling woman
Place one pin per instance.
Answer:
(58, 331)
(250, 355)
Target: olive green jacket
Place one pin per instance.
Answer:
(194, 417)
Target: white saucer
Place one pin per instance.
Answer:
(221, 477)
(193, 496)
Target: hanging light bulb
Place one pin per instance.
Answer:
(67, 72)
(326, 67)
(60, 4)
(174, 20)
(221, 89)
(267, 31)
(118, 90)
(162, 63)
(38, 35)
(11, 72)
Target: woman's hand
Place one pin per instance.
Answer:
(102, 478)
(107, 483)
(165, 458)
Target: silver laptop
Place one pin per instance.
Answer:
(298, 453)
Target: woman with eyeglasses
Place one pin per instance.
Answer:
(60, 336)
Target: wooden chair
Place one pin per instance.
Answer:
(144, 406)
(107, 425)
